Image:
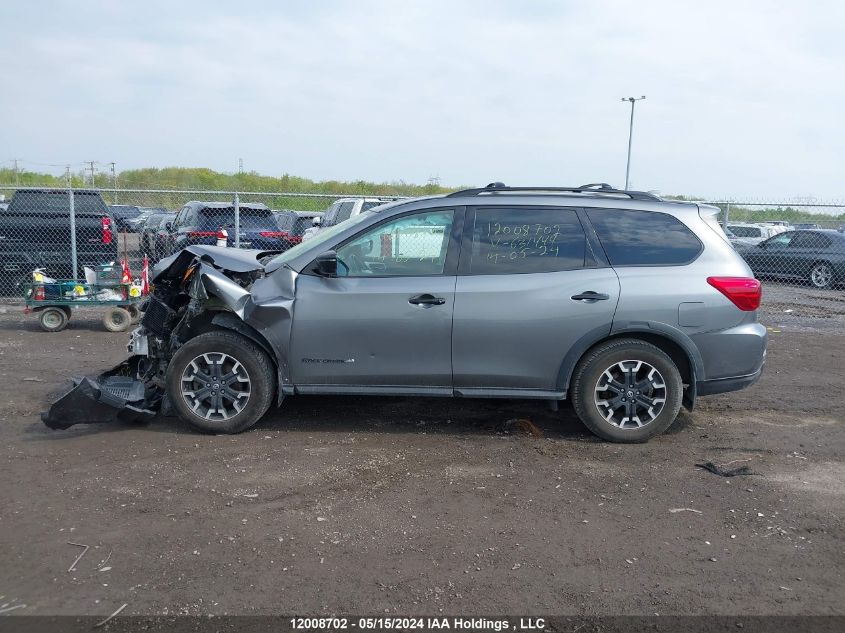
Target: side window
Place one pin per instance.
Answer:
(524, 240)
(810, 240)
(330, 215)
(179, 220)
(410, 246)
(779, 241)
(345, 212)
(644, 238)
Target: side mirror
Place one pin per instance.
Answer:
(168, 226)
(317, 221)
(326, 264)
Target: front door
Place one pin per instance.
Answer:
(529, 288)
(384, 324)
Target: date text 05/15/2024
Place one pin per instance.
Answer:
(411, 623)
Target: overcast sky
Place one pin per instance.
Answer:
(743, 98)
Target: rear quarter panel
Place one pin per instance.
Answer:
(678, 301)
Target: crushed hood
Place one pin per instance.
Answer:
(236, 260)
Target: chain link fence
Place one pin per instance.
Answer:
(796, 247)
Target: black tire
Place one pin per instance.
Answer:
(612, 356)
(53, 319)
(822, 276)
(255, 366)
(134, 313)
(117, 319)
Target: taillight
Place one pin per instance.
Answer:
(744, 292)
(276, 234)
(221, 234)
(107, 234)
(295, 239)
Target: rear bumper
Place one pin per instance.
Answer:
(724, 385)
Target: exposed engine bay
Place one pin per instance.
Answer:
(200, 289)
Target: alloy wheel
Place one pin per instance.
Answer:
(215, 386)
(821, 276)
(630, 394)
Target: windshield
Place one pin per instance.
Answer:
(323, 236)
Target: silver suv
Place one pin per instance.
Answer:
(627, 304)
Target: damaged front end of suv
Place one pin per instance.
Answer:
(201, 291)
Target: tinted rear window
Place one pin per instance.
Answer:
(507, 241)
(301, 225)
(250, 218)
(644, 238)
(285, 221)
(57, 201)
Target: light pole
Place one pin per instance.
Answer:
(633, 100)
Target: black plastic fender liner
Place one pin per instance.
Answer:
(109, 397)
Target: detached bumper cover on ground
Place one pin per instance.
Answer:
(198, 287)
(107, 398)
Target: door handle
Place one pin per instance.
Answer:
(590, 296)
(426, 300)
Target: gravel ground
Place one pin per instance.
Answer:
(391, 505)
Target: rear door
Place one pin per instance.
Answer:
(530, 286)
(805, 249)
(384, 324)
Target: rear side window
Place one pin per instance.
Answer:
(524, 240)
(810, 240)
(644, 238)
(370, 204)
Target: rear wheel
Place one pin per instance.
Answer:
(627, 390)
(117, 319)
(821, 275)
(53, 319)
(220, 382)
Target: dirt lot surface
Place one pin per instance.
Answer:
(373, 506)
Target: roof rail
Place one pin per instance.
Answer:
(594, 188)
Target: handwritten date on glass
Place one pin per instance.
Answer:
(519, 241)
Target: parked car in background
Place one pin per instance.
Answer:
(149, 234)
(740, 243)
(779, 226)
(35, 233)
(806, 225)
(627, 304)
(752, 233)
(214, 222)
(295, 223)
(123, 215)
(816, 257)
(341, 210)
(136, 224)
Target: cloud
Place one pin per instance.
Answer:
(742, 97)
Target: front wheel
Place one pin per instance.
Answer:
(627, 390)
(220, 382)
(821, 275)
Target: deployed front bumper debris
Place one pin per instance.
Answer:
(199, 287)
(110, 396)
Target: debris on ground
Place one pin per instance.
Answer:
(726, 472)
(675, 510)
(101, 623)
(521, 424)
(78, 558)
